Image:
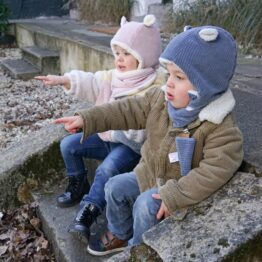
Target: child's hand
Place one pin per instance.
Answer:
(53, 80)
(163, 211)
(72, 123)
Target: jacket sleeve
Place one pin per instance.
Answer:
(222, 156)
(86, 85)
(124, 114)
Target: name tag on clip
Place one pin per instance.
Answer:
(173, 157)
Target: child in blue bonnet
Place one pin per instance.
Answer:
(193, 144)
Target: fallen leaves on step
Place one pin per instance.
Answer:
(21, 236)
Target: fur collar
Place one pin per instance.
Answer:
(218, 109)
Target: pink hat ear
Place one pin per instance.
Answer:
(123, 20)
(149, 20)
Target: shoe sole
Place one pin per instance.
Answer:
(68, 205)
(103, 253)
(82, 236)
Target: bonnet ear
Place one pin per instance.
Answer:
(123, 20)
(208, 34)
(149, 20)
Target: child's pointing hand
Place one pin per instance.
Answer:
(53, 80)
(72, 123)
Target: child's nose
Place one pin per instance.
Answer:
(170, 83)
(120, 58)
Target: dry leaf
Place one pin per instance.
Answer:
(35, 222)
(21, 236)
(23, 194)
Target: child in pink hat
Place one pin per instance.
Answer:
(136, 48)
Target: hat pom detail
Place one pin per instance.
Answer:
(123, 20)
(149, 20)
(208, 34)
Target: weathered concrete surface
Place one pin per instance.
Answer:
(79, 47)
(19, 68)
(31, 162)
(46, 60)
(36, 157)
(55, 221)
(214, 229)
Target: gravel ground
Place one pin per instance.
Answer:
(26, 106)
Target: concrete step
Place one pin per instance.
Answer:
(55, 222)
(19, 68)
(47, 61)
(79, 48)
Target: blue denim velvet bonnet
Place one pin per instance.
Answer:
(207, 55)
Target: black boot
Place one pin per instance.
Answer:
(77, 187)
(84, 219)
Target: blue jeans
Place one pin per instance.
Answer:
(117, 158)
(129, 212)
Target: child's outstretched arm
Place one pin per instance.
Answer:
(123, 114)
(72, 123)
(53, 80)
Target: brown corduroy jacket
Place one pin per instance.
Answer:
(218, 150)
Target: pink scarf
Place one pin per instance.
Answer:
(124, 84)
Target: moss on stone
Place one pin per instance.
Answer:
(143, 253)
(251, 251)
(44, 168)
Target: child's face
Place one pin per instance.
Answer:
(124, 61)
(177, 87)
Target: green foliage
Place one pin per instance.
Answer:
(106, 11)
(4, 14)
(243, 18)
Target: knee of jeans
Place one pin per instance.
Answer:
(145, 205)
(105, 172)
(64, 144)
(67, 145)
(112, 186)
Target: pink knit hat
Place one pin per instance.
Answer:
(142, 40)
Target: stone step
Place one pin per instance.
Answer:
(55, 221)
(224, 227)
(19, 68)
(47, 61)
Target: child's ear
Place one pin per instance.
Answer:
(123, 20)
